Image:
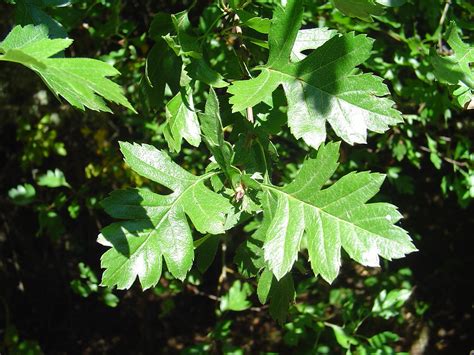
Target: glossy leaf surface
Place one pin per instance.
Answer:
(322, 87)
(156, 226)
(330, 219)
(82, 82)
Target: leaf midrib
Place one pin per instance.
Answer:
(321, 89)
(320, 210)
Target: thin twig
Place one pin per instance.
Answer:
(223, 275)
(449, 160)
(198, 292)
(441, 22)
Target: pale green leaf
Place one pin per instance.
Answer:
(22, 194)
(53, 178)
(156, 226)
(322, 87)
(331, 218)
(362, 9)
(237, 297)
(310, 38)
(82, 82)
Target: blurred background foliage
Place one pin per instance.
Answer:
(58, 163)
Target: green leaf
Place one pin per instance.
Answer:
(456, 69)
(237, 297)
(211, 125)
(280, 293)
(23, 194)
(206, 253)
(31, 12)
(383, 338)
(53, 179)
(362, 9)
(81, 81)
(249, 255)
(254, 22)
(186, 45)
(162, 68)
(181, 121)
(342, 338)
(322, 87)
(387, 305)
(156, 226)
(391, 3)
(264, 286)
(329, 219)
(310, 38)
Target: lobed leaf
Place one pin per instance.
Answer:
(82, 82)
(321, 87)
(330, 219)
(156, 226)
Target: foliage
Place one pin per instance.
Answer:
(239, 192)
(80, 81)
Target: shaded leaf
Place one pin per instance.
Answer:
(322, 87)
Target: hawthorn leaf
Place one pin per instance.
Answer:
(330, 218)
(155, 226)
(322, 87)
(280, 294)
(249, 255)
(310, 38)
(362, 9)
(206, 253)
(82, 82)
(22, 195)
(264, 285)
(237, 297)
(162, 68)
(186, 45)
(456, 69)
(181, 121)
(213, 133)
(32, 12)
(253, 21)
(53, 178)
